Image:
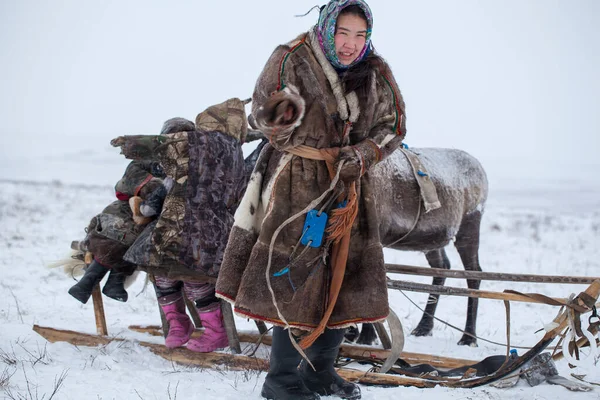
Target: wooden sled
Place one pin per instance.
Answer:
(583, 303)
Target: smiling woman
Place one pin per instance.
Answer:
(351, 35)
(304, 253)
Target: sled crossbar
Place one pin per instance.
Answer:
(482, 294)
(487, 276)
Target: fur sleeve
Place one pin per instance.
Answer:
(275, 91)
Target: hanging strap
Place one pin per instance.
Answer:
(338, 233)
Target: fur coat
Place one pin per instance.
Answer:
(208, 173)
(282, 185)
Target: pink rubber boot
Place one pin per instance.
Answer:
(214, 336)
(180, 325)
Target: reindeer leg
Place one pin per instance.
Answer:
(467, 245)
(367, 335)
(437, 259)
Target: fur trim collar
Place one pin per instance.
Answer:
(347, 105)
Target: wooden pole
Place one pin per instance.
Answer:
(163, 318)
(454, 291)
(101, 327)
(489, 276)
(262, 327)
(229, 322)
(192, 310)
(386, 342)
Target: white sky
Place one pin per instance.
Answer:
(514, 82)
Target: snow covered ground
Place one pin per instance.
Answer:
(514, 83)
(533, 226)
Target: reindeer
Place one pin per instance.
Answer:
(462, 189)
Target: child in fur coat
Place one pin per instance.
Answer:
(140, 194)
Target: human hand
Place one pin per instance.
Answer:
(352, 164)
(135, 203)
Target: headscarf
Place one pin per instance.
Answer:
(325, 29)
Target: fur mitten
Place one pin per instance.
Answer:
(358, 159)
(352, 168)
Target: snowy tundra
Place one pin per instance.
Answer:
(531, 226)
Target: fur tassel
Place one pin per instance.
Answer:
(72, 266)
(339, 231)
(341, 219)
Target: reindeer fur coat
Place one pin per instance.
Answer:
(283, 184)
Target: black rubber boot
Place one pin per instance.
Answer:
(325, 380)
(94, 273)
(114, 286)
(284, 382)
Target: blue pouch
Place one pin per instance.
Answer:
(314, 228)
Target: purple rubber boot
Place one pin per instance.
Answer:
(214, 336)
(180, 325)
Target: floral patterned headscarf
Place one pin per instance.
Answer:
(326, 29)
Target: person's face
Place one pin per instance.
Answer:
(350, 37)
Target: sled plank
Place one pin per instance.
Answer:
(182, 355)
(212, 360)
(349, 351)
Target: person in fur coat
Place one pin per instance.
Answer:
(207, 167)
(331, 109)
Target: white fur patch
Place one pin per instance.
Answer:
(266, 195)
(244, 218)
(353, 105)
(253, 200)
(387, 139)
